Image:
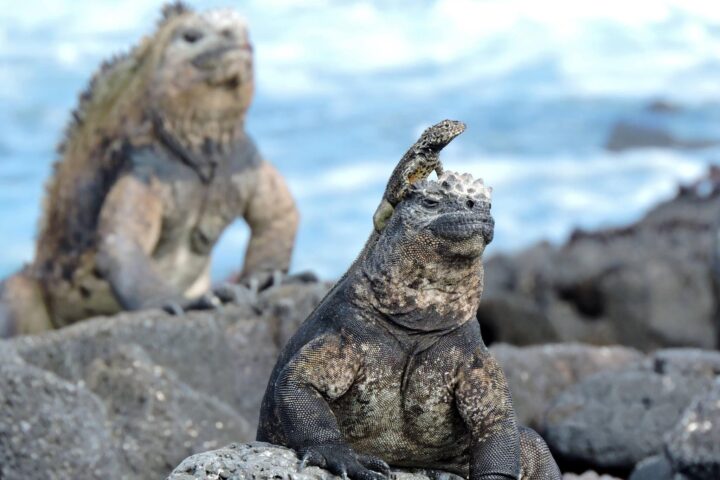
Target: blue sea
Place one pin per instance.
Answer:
(344, 87)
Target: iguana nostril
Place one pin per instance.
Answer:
(470, 204)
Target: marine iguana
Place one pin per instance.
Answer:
(155, 164)
(391, 367)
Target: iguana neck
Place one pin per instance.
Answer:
(418, 293)
(201, 141)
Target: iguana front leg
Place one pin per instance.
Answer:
(484, 402)
(273, 220)
(321, 372)
(129, 228)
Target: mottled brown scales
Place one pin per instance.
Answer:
(154, 165)
(391, 367)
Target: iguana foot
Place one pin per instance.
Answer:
(342, 461)
(207, 301)
(234, 293)
(270, 279)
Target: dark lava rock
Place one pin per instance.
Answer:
(537, 375)
(134, 394)
(650, 285)
(627, 136)
(614, 420)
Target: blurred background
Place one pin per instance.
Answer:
(579, 114)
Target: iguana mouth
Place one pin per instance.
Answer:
(213, 58)
(462, 226)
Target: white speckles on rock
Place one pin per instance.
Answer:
(257, 461)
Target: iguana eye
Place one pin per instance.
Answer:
(192, 36)
(430, 202)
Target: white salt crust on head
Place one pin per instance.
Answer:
(456, 184)
(225, 18)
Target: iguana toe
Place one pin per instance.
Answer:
(342, 461)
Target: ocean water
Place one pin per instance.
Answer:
(344, 87)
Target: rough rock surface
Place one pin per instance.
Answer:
(589, 475)
(134, 394)
(614, 420)
(50, 425)
(628, 286)
(693, 445)
(538, 374)
(259, 461)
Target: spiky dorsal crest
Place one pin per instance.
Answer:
(172, 10)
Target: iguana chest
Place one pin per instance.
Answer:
(196, 209)
(402, 408)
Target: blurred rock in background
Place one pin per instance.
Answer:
(649, 285)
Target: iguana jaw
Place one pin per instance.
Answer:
(463, 226)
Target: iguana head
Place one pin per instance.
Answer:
(449, 217)
(201, 81)
(425, 270)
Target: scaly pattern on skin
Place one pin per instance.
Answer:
(154, 165)
(391, 367)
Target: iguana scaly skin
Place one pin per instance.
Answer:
(391, 367)
(155, 164)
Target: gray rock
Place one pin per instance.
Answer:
(50, 428)
(693, 445)
(686, 361)
(156, 418)
(614, 420)
(537, 375)
(653, 284)
(163, 387)
(257, 461)
(657, 467)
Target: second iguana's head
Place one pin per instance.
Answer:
(202, 67)
(448, 217)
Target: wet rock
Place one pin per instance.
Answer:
(537, 375)
(627, 136)
(614, 420)
(649, 285)
(258, 461)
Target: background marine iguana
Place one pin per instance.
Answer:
(391, 367)
(155, 164)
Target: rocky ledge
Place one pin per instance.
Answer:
(262, 461)
(133, 395)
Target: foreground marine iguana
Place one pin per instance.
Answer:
(391, 367)
(155, 164)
